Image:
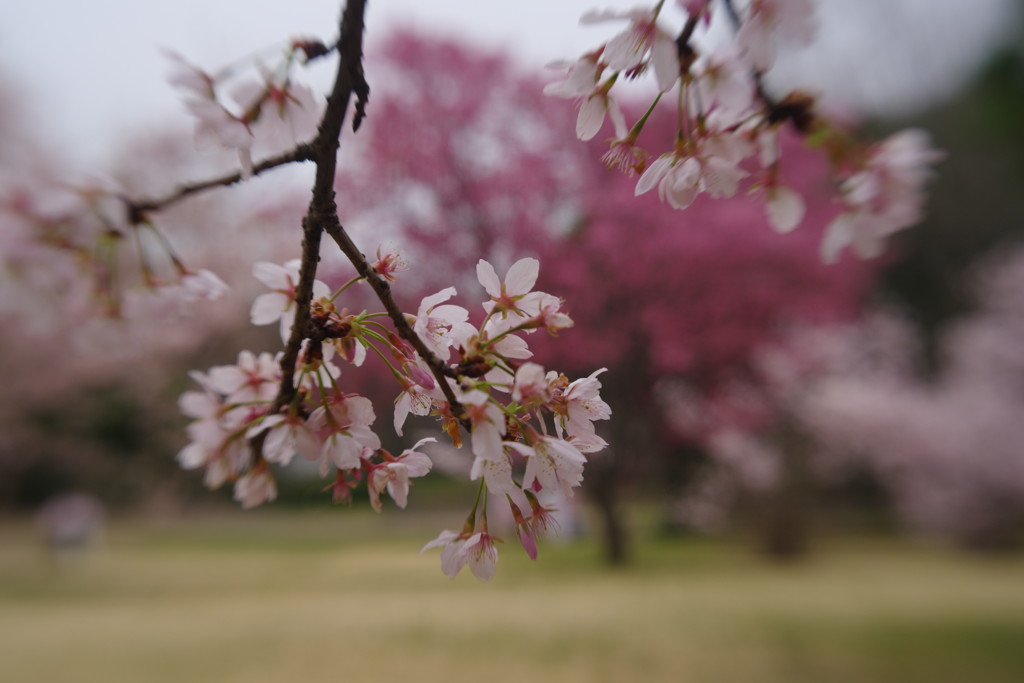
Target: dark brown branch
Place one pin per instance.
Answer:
(322, 209)
(382, 289)
(734, 15)
(322, 215)
(762, 93)
(797, 107)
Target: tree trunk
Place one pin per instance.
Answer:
(603, 483)
(785, 532)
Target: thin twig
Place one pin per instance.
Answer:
(138, 208)
(382, 289)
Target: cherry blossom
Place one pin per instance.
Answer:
(884, 197)
(770, 20)
(202, 285)
(285, 111)
(478, 550)
(785, 208)
(451, 544)
(497, 476)
(488, 425)
(581, 84)
(437, 324)
(723, 82)
(253, 378)
(389, 263)
(643, 37)
(279, 304)
(255, 488)
(416, 399)
(584, 405)
(346, 421)
(553, 463)
(394, 475)
(286, 436)
(512, 293)
(532, 386)
(677, 180)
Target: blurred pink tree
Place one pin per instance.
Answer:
(662, 299)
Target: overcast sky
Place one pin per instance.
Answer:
(93, 68)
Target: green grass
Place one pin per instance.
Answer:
(346, 597)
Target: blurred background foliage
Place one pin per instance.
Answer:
(759, 397)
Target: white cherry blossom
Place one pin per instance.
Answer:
(279, 304)
(255, 488)
(394, 475)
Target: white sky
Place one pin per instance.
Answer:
(94, 67)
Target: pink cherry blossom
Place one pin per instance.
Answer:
(415, 397)
(508, 294)
(202, 285)
(677, 180)
(630, 48)
(784, 207)
(252, 378)
(286, 436)
(394, 475)
(188, 77)
(279, 113)
(770, 20)
(584, 405)
(532, 386)
(255, 488)
(279, 304)
(346, 421)
(550, 315)
(497, 475)
(217, 125)
(389, 263)
(438, 325)
(553, 463)
(481, 554)
(884, 197)
(723, 82)
(581, 84)
(488, 425)
(457, 550)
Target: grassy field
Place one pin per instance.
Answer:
(345, 597)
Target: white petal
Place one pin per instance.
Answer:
(267, 308)
(654, 173)
(785, 208)
(433, 300)
(591, 117)
(522, 276)
(665, 56)
(192, 456)
(838, 235)
(488, 278)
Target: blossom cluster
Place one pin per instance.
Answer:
(727, 137)
(57, 236)
(268, 106)
(529, 430)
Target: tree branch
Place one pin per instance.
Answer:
(322, 209)
(382, 289)
(138, 208)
